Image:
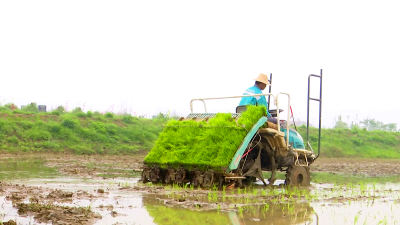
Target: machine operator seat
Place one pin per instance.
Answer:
(241, 108)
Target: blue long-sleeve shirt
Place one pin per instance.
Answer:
(257, 100)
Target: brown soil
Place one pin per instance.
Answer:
(41, 199)
(87, 166)
(93, 165)
(366, 167)
(41, 204)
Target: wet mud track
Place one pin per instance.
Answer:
(115, 193)
(43, 204)
(364, 167)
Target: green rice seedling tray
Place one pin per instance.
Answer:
(208, 144)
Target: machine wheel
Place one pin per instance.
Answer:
(197, 178)
(144, 177)
(209, 179)
(168, 178)
(298, 175)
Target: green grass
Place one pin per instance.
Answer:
(80, 133)
(355, 143)
(27, 130)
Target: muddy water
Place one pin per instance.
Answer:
(120, 205)
(122, 200)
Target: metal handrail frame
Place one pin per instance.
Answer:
(275, 98)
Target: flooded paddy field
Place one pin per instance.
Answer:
(71, 189)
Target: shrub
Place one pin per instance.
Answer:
(38, 135)
(357, 141)
(96, 113)
(60, 109)
(26, 124)
(91, 134)
(77, 110)
(11, 106)
(50, 145)
(160, 116)
(5, 109)
(70, 123)
(99, 127)
(81, 114)
(68, 135)
(55, 128)
(80, 149)
(6, 127)
(31, 108)
(109, 115)
(13, 140)
(127, 119)
(25, 149)
(111, 129)
(124, 148)
(17, 111)
(89, 114)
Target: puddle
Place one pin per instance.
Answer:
(298, 213)
(364, 212)
(122, 200)
(109, 204)
(341, 178)
(12, 169)
(118, 206)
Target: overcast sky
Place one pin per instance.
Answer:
(154, 56)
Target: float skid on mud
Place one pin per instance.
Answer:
(263, 149)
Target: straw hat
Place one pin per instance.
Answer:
(263, 78)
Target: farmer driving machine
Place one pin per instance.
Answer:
(208, 149)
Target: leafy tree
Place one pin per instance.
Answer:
(341, 124)
(77, 110)
(392, 127)
(354, 126)
(372, 124)
(11, 106)
(32, 108)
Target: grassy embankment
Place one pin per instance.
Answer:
(77, 132)
(88, 133)
(357, 143)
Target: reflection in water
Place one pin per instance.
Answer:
(21, 169)
(295, 213)
(375, 203)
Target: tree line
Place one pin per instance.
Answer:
(368, 124)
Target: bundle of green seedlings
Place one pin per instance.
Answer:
(202, 144)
